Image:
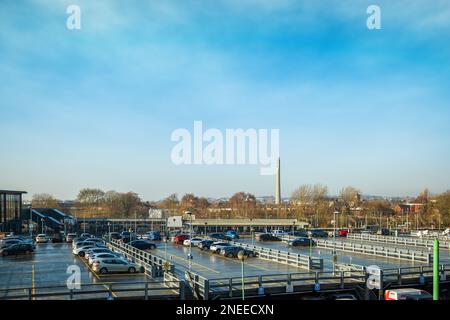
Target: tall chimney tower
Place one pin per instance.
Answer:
(278, 190)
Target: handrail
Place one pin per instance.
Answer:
(412, 241)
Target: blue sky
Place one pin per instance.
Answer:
(96, 107)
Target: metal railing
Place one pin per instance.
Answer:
(374, 250)
(154, 266)
(283, 257)
(97, 291)
(410, 241)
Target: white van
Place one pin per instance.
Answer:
(407, 294)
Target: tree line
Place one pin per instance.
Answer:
(310, 203)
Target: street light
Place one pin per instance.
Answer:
(334, 232)
(109, 231)
(190, 240)
(242, 256)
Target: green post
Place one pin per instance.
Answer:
(436, 270)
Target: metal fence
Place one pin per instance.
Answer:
(410, 241)
(283, 257)
(97, 291)
(154, 266)
(374, 250)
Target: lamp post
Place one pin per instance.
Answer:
(109, 231)
(206, 223)
(30, 226)
(242, 256)
(190, 241)
(334, 232)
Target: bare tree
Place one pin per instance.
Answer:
(44, 200)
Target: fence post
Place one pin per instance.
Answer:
(146, 290)
(30, 295)
(399, 276)
(342, 280)
(182, 290)
(230, 287)
(206, 289)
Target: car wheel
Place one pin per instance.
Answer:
(153, 247)
(218, 251)
(131, 269)
(230, 255)
(81, 253)
(5, 253)
(103, 270)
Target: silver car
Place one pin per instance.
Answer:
(96, 256)
(94, 251)
(111, 265)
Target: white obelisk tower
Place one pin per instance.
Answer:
(278, 190)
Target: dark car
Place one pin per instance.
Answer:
(154, 235)
(205, 244)
(127, 237)
(9, 242)
(301, 242)
(219, 236)
(115, 235)
(232, 252)
(266, 237)
(318, 234)
(142, 244)
(57, 238)
(301, 234)
(18, 248)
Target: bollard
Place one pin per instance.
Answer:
(436, 270)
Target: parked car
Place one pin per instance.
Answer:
(301, 234)
(279, 233)
(217, 246)
(195, 241)
(219, 236)
(81, 251)
(114, 235)
(266, 237)
(383, 232)
(70, 237)
(179, 239)
(232, 252)
(142, 244)
(86, 235)
(205, 244)
(233, 234)
(407, 294)
(43, 238)
(154, 235)
(301, 242)
(93, 257)
(317, 234)
(107, 265)
(94, 251)
(341, 296)
(4, 243)
(339, 233)
(57, 238)
(91, 241)
(16, 249)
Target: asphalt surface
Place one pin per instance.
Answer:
(50, 266)
(212, 265)
(343, 257)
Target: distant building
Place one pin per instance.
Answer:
(406, 208)
(11, 211)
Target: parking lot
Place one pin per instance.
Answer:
(212, 265)
(48, 266)
(348, 257)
